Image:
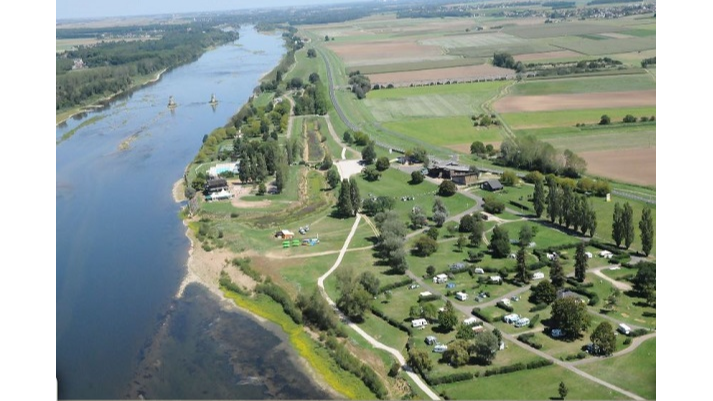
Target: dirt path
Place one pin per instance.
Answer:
(618, 284)
(370, 339)
(291, 119)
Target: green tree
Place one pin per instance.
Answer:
(326, 162)
(430, 270)
(557, 276)
(417, 217)
(544, 293)
(628, 225)
(465, 332)
(370, 282)
(425, 246)
(539, 198)
(476, 234)
(525, 235)
(603, 338)
(344, 201)
(354, 195)
(439, 218)
(646, 225)
(447, 188)
(485, 346)
(417, 177)
(493, 205)
(563, 391)
(382, 163)
(605, 120)
(466, 223)
(553, 199)
(419, 360)
(509, 178)
(617, 232)
(415, 311)
(333, 177)
(311, 53)
(461, 242)
(371, 173)
(448, 319)
(368, 154)
(571, 315)
(430, 312)
(457, 353)
(522, 274)
(645, 277)
(500, 242)
(477, 148)
(629, 119)
(347, 137)
(580, 262)
(433, 233)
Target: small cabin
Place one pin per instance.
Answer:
(492, 185)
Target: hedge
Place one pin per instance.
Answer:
(593, 297)
(452, 378)
(520, 205)
(606, 247)
(535, 319)
(399, 325)
(397, 284)
(517, 367)
(527, 339)
(429, 298)
(226, 282)
(539, 307)
(476, 311)
(507, 308)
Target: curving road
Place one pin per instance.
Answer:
(367, 337)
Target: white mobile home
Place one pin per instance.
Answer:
(419, 323)
(511, 318)
(470, 321)
(624, 329)
(440, 348)
(461, 296)
(440, 279)
(522, 322)
(538, 275)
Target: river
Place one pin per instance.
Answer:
(122, 250)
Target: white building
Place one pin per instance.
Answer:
(461, 296)
(440, 279)
(419, 323)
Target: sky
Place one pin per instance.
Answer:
(69, 9)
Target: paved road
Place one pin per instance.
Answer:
(634, 345)
(370, 339)
(618, 284)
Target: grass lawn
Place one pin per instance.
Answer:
(614, 83)
(384, 332)
(567, 118)
(445, 131)
(635, 372)
(536, 384)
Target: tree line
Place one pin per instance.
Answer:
(112, 67)
(532, 154)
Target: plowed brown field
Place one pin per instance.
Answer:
(636, 166)
(514, 104)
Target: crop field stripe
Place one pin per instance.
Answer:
(560, 118)
(585, 85)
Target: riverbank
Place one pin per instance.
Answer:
(67, 114)
(204, 268)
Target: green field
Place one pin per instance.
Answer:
(537, 384)
(635, 372)
(596, 138)
(446, 131)
(567, 118)
(614, 83)
(605, 47)
(431, 101)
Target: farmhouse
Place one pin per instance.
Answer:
(492, 185)
(216, 185)
(419, 323)
(538, 275)
(461, 296)
(440, 279)
(459, 174)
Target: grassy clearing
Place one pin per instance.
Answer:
(614, 83)
(635, 372)
(538, 384)
(560, 118)
(605, 47)
(446, 131)
(596, 138)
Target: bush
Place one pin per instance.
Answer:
(397, 284)
(519, 205)
(280, 296)
(538, 307)
(507, 308)
(527, 339)
(447, 188)
(417, 177)
(627, 341)
(493, 205)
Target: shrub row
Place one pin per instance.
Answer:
(476, 311)
(429, 298)
(593, 297)
(573, 282)
(507, 308)
(520, 205)
(517, 367)
(535, 319)
(244, 266)
(393, 322)
(578, 355)
(606, 247)
(276, 292)
(226, 282)
(537, 266)
(452, 378)
(538, 307)
(395, 285)
(527, 339)
(351, 364)
(638, 333)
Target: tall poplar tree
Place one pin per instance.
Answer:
(539, 197)
(344, 202)
(646, 225)
(580, 263)
(617, 230)
(628, 225)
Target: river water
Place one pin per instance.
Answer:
(121, 248)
